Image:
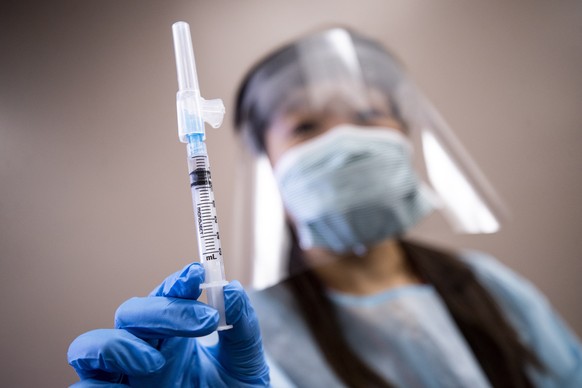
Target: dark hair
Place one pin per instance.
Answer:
(246, 109)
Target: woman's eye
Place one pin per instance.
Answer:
(305, 127)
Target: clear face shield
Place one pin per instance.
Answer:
(333, 82)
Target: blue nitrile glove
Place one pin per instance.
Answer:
(154, 345)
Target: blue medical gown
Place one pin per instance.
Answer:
(408, 336)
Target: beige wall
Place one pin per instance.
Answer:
(94, 200)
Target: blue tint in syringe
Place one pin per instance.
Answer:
(193, 111)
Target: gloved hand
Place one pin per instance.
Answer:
(154, 345)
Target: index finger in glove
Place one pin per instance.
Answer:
(182, 284)
(159, 317)
(105, 353)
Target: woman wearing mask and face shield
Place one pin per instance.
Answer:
(360, 305)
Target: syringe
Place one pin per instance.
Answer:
(193, 111)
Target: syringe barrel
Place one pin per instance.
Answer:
(209, 244)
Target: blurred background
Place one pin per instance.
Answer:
(95, 204)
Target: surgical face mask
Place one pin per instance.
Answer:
(350, 188)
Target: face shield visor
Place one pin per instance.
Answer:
(337, 77)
